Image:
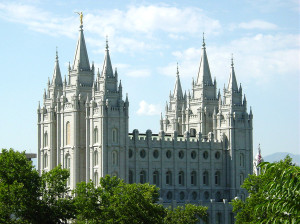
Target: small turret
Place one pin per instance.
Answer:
(56, 78)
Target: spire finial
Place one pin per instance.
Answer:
(203, 44)
(232, 60)
(106, 42)
(56, 57)
(177, 69)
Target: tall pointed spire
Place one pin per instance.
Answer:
(204, 76)
(81, 60)
(232, 84)
(107, 68)
(177, 90)
(56, 78)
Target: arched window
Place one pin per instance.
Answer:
(169, 178)
(114, 135)
(217, 178)
(96, 179)
(218, 197)
(142, 177)
(242, 160)
(96, 158)
(46, 139)
(193, 132)
(194, 178)
(45, 160)
(130, 177)
(68, 133)
(181, 178)
(181, 195)
(241, 178)
(96, 135)
(114, 158)
(205, 178)
(219, 218)
(68, 161)
(156, 177)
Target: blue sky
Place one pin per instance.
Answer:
(147, 39)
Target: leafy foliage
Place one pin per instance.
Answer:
(26, 197)
(188, 214)
(274, 195)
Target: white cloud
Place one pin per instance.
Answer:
(37, 19)
(257, 24)
(148, 109)
(138, 21)
(138, 73)
(259, 58)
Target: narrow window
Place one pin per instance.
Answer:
(142, 177)
(114, 136)
(96, 135)
(45, 160)
(96, 179)
(241, 160)
(194, 178)
(96, 158)
(217, 178)
(193, 132)
(68, 129)
(156, 178)
(115, 158)
(68, 161)
(181, 195)
(241, 178)
(130, 176)
(46, 139)
(205, 178)
(181, 178)
(169, 178)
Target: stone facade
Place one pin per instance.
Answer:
(201, 155)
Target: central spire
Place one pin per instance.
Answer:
(204, 76)
(81, 60)
(177, 90)
(107, 70)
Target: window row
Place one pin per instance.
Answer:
(114, 135)
(180, 178)
(181, 154)
(114, 158)
(194, 196)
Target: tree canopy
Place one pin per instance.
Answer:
(26, 197)
(274, 195)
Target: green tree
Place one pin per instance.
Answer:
(117, 202)
(19, 188)
(25, 197)
(274, 195)
(189, 214)
(56, 204)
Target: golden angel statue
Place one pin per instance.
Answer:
(80, 16)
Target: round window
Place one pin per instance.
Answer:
(181, 154)
(142, 153)
(205, 155)
(217, 155)
(181, 195)
(130, 153)
(169, 154)
(169, 195)
(155, 154)
(193, 155)
(194, 195)
(206, 195)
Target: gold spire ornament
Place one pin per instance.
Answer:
(80, 17)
